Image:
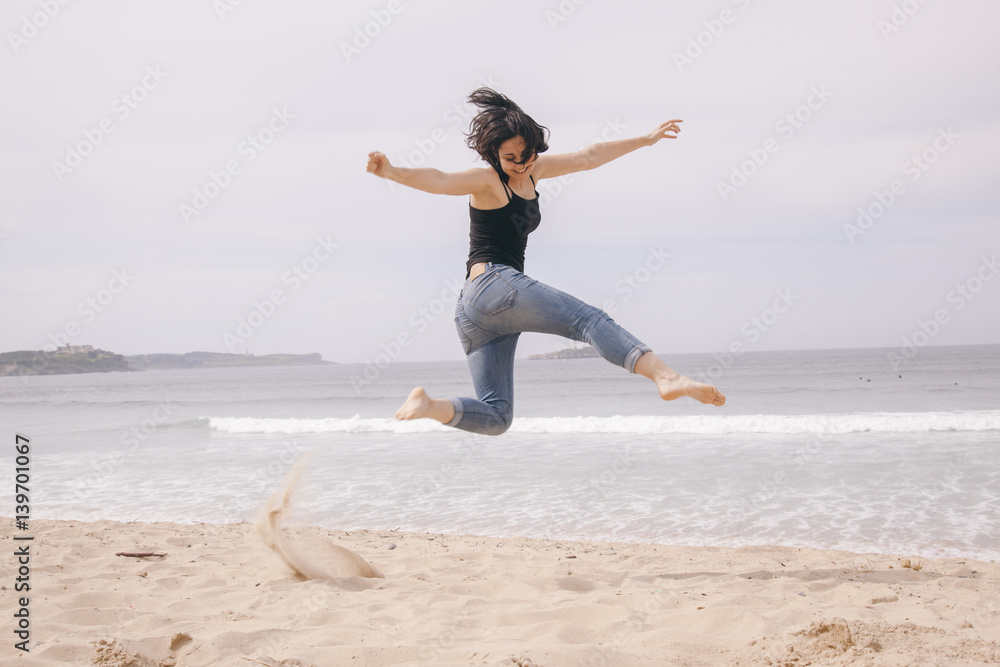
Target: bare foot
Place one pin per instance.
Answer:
(419, 405)
(416, 405)
(674, 387)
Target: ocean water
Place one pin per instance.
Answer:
(828, 449)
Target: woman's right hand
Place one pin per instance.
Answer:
(667, 130)
(378, 164)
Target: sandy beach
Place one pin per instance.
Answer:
(220, 596)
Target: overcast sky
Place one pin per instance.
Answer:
(190, 175)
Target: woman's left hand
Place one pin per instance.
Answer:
(668, 130)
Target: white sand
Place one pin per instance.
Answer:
(221, 597)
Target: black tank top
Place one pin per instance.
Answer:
(501, 234)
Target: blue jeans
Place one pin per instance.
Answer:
(493, 310)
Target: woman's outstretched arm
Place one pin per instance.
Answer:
(430, 180)
(593, 156)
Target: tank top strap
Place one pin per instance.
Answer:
(507, 190)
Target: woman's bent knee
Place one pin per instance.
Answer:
(499, 425)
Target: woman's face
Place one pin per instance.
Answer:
(513, 161)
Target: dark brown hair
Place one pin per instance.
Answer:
(498, 120)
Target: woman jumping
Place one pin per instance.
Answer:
(498, 301)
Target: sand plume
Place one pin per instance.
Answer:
(308, 553)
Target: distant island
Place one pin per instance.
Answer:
(66, 359)
(142, 362)
(86, 359)
(586, 352)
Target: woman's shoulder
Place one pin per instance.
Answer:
(493, 194)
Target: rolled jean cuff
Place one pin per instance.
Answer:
(633, 357)
(457, 402)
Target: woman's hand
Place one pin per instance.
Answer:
(378, 164)
(668, 130)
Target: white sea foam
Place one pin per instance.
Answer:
(831, 424)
